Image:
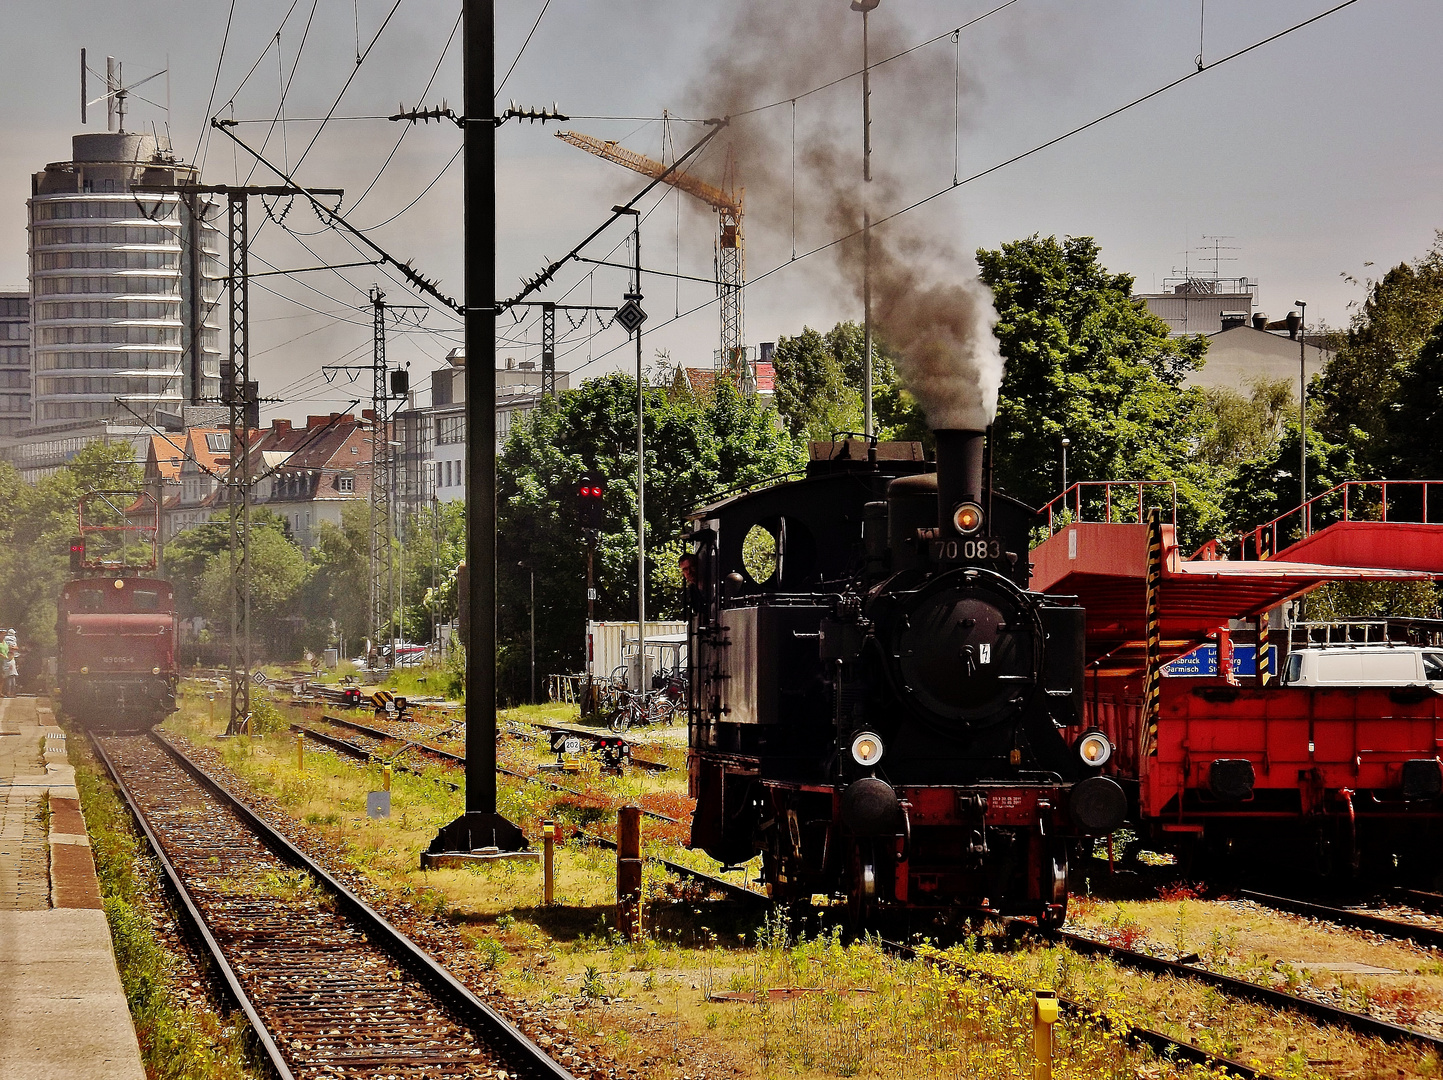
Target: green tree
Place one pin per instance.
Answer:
(1362, 383)
(1412, 424)
(36, 524)
(694, 448)
(277, 571)
(335, 598)
(1245, 428)
(819, 383)
(1088, 362)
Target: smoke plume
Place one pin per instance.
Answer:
(927, 302)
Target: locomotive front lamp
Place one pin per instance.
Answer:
(120, 583)
(867, 749)
(1094, 749)
(967, 518)
(155, 671)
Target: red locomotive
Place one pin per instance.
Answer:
(1252, 774)
(116, 623)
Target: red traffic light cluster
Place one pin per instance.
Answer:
(589, 507)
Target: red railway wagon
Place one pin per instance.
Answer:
(1246, 775)
(116, 623)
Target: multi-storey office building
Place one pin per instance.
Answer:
(125, 286)
(14, 360)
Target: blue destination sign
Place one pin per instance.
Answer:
(1202, 662)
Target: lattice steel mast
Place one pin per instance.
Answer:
(381, 563)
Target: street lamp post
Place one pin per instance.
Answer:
(1303, 412)
(635, 294)
(865, 7)
(1066, 442)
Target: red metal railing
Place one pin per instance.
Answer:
(1073, 503)
(1347, 500)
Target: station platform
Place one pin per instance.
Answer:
(62, 1010)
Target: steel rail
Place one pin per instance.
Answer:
(1160, 1043)
(499, 1033)
(197, 920)
(362, 754)
(721, 885)
(1430, 936)
(378, 733)
(1264, 995)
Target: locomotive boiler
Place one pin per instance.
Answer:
(879, 705)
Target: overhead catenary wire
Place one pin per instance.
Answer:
(204, 137)
(522, 50)
(1005, 163)
(406, 129)
(873, 66)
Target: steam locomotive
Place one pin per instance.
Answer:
(878, 704)
(116, 624)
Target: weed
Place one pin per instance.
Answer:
(490, 953)
(593, 986)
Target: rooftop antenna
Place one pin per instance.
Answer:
(117, 93)
(1217, 258)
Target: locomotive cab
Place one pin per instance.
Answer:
(887, 715)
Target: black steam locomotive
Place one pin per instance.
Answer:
(878, 704)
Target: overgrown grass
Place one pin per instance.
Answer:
(178, 1041)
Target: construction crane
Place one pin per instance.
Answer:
(731, 252)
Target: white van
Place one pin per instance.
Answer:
(1365, 665)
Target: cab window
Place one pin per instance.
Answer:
(1292, 669)
(1433, 666)
(145, 600)
(90, 600)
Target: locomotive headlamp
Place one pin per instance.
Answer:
(85, 671)
(967, 518)
(867, 749)
(120, 583)
(155, 671)
(1094, 749)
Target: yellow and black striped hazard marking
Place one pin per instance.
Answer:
(1152, 693)
(1264, 660)
(381, 698)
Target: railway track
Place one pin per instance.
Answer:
(1159, 1042)
(721, 885)
(1430, 936)
(459, 759)
(1360, 1023)
(330, 988)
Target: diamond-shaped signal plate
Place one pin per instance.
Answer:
(631, 316)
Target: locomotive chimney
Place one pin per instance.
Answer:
(959, 472)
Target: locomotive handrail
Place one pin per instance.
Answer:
(1072, 502)
(1302, 519)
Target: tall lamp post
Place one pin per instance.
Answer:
(633, 299)
(866, 6)
(1303, 412)
(1066, 442)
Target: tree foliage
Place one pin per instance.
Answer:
(1087, 362)
(1366, 376)
(819, 379)
(694, 448)
(36, 524)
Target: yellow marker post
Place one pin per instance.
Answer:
(1044, 1015)
(548, 866)
(386, 777)
(300, 751)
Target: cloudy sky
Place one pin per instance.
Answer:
(1313, 156)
